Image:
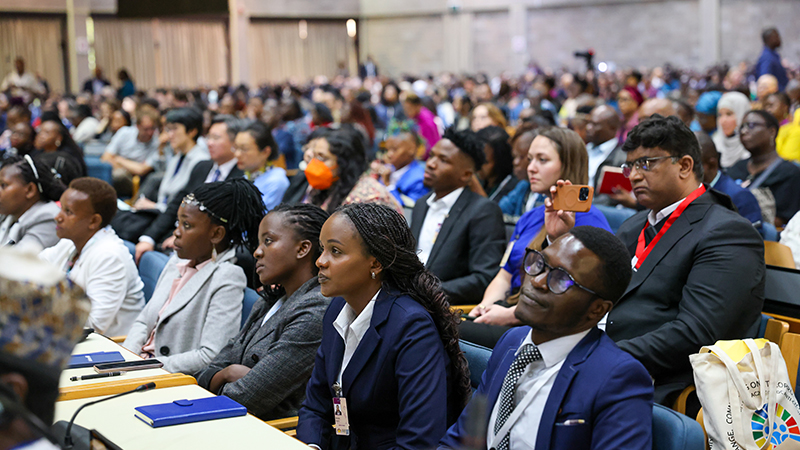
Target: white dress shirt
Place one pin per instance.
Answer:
(653, 218)
(352, 327)
(598, 154)
(106, 271)
(438, 210)
(272, 311)
(535, 384)
(86, 130)
(224, 171)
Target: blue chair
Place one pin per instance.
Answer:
(150, 267)
(250, 299)
(675, 431)
(98, 169)
(477, 359)
(615, 216)
(769, 232)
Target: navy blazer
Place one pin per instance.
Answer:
(598, 383)
(410, 186)
(744, 200)
(396, 383)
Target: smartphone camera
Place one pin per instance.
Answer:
(584, 194)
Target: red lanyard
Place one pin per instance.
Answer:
(641, 251)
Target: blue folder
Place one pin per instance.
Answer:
(91, 359)
(188, 411)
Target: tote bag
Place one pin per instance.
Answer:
(747, 398)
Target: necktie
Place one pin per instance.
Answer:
(217, 174)
(527, 355)
(649, 234)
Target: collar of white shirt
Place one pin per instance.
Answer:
(445, 202)
(224, 171)
(352, 327)
(654, 218)
(555, 351)
(605, 148)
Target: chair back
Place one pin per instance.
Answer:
(790, 349)
(98, 169)
(777, 254)
(250, 299)
(477, 359)
(675, 431)
(150, 266)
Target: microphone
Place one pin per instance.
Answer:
(8, 404)
(68, 442)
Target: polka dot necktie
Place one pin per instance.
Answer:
(528, 354)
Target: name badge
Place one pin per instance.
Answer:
(342, 424)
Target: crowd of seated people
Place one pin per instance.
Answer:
(361, 209)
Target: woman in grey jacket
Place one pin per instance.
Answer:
(197, 303)
(267, 365)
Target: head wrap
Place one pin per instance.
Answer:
(707, 103)
(635, 94)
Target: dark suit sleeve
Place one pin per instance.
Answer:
(223, 359)
(724, 286)
(487, 239)
(285, 366)
(165, 222)
(316, 414)
(747, 205)
(623, 411)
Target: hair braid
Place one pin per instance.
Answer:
(388, 238)
(239, 203)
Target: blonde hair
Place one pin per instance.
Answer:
(495, 114)
(572, 153)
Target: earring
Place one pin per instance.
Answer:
(58, 143)
(373, 275)
(214, 254)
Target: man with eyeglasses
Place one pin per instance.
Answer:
(559, 382)
(698, 265)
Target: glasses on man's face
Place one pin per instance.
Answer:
(751, 125)
(642, 164)
(558, 279)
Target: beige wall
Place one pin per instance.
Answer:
(302, 8)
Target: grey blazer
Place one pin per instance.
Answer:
(280, 354)
(202, 317)
(34, 230)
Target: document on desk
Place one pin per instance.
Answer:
(90, 359)
(188, 411)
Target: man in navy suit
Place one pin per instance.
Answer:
(560, 382)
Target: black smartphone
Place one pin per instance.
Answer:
(467, 317)
(126, 366)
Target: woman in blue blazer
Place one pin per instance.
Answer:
(389, 341)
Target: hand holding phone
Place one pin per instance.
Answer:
(576, 198)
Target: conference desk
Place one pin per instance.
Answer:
(116, 421)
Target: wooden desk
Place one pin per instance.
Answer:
(115, 419)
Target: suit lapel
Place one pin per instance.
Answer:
(562, 383)
(449, 222)
(189, 290)
(418, 217)
(236, 172)
(496, 383)
(370, 341)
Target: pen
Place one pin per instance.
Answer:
(96, 375)
(574, 422)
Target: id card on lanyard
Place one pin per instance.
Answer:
(641, 250)
(342, 423)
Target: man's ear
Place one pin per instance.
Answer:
(687, 166)
(598, 309)
(96, 222)
(303, 249)
(268, 151)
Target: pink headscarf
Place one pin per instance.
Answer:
(635, 94)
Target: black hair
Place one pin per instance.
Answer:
(319, 132)
(347, 145)
(236, 205)
(636, 75)
(263, 137)
(769, 119)
(51, 187)
(232, 124)
(83, 111)
(21, 110)
(669, 134)
(101, 194)
(28, 147)
(68, 144)
(497, 138)
(306, 221)
(383, 91)
(294, 110)
(324, 113)
(782, 97)
(468, 142)
(615, 273)
(123, 75)
(190, 118)
(125, 115)
(767, 33)
(386, 236)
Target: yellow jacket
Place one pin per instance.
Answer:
(788, 141)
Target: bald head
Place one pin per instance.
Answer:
(603, 124)
(661, 106)
(709, 156)
(766, 84)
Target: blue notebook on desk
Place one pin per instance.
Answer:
(91, 359)
(188, 411)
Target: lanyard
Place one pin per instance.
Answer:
(641, 251)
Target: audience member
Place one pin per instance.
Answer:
(706, 112)
(413, 110)
(291, 133)
(682, 245)
(744, 200)
(83, 122)
(731, 109)
(28, 196)
(54, 139)
(256, 151)
(496, 175)
(604, 147)
(134, 149)
(555, 154)
(267, 365)
(661, 106)
(41, 319)
(560, 365)
(94, 258)
(197, 303)
(389, 107)
(15, 115)
(774, 181)
(787, 143)
(765, 86)
(401, 173)
(96, 83)
(520, 200)
(20, 83)
(629, 100)
(21, 139)
(459, 234)
(221, 167)
(485, 115)
(389, 341)
(298, 184)
(770, 61)
(127, 88)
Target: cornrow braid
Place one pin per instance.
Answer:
(306, 221)
(236, 205)
(387, 237)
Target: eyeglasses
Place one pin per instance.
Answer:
(558, 279)
(642, 164)
(751, 125)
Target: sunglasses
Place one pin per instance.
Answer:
(641, 164)
(558, 279)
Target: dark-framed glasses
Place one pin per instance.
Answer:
(558, 279)
(751, 125)
(642, 164)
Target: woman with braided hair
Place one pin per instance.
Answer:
(266, 367)
(389, 358)
(196, 306)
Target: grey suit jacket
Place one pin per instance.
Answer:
(34, 230)
(280, 354)
(202, 317)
